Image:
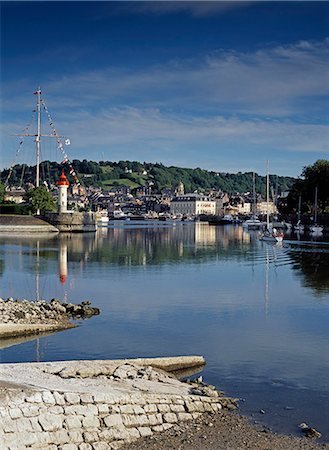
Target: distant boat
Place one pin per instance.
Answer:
(316, 229)
(103, 218)
(299, 227)
(227, 219)
(270, 235)
(253, 223)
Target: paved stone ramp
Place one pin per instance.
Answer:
(104, 411)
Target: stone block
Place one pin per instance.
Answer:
(90, 410)
(170, 418)
(99, 397)
(15, 413)
(133, 434)
(145, 431)
(72, 398)
(120, 433)
(56, 409)
(42, 439)
(155, 419)
(164, 408)
(135, 421)
(116, 445)
(35, 424)
(101, 446)
(27, 438)
(196, 415)
(103, 408)
(150, 408)
(191, 407)
(208, 407)
(30, 410)
(72, 422)
(183, 417)
(36, 397)
(127, 409)
(199, 405)
(157, 428)
(138, 409)
(59, 398)
(68, 447)
(113, 420)
(75, 409)
(166, 426)
(75, 437)
(85, 446)
(177, 408)
(85, 397)
(90, 422)
(23, 425)
(51, 422)
(90, 436)
(59, 437)
(48, 398)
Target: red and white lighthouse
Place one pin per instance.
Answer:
(62, 185)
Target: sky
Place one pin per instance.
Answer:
(224, 86)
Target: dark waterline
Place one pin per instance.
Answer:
(258, 313)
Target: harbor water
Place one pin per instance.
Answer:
(258, 313)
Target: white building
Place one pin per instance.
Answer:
(192, 205)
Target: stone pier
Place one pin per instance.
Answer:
(96, 405)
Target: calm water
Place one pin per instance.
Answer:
(258, 313)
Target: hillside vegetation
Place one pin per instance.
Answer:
(134, 174)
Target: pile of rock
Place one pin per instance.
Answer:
(43, 312)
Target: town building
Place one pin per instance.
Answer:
(192, 205)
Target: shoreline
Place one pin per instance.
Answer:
(128, 404)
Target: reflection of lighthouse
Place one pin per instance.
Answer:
(63, 185)
(62, 260)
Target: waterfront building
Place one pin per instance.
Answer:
(192, 205)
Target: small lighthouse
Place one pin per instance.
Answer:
(63, 185)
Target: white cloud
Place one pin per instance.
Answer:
(269, 100)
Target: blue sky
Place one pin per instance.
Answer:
(223, 86)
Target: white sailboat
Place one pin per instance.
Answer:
(253, 223)
(270, 236)
(316, 229)
(299, 227)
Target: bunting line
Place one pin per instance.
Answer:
(60, 145)
(20, 145)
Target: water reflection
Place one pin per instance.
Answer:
(133, 246)
(250, 308)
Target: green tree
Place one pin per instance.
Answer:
(314, 176)
(2, 192)
(40, 199)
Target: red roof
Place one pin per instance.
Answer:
(62, 180)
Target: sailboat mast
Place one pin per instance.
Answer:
(299, 207)
(316, 205)
(253, 194)
(38, 138)
(267, 196)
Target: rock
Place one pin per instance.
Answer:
(308, 431)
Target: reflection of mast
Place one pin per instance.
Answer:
(37, 262)
(267, 266)
(37, 294)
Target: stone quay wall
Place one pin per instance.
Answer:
(95, 405)
(54, 420)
